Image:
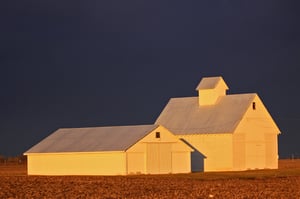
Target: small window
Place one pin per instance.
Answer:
(253, 105)
(157, 135)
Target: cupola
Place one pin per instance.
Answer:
(210, 89)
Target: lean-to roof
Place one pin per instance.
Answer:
(93, 139)
(185, 116)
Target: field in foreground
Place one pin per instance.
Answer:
(281, 183)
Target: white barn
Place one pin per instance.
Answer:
(213, 131)
(227, 132)
(116, 150)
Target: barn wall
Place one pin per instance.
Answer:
(152, 155)
(249, 151)
(166, 136)
(271, 151)
(136, 159)
(181, 162)
(159, 158)
(239, 152)
(181, 158)
(136, 163)
(210, 96)
(255, 150)
(110, 163)
(255, 139)
(213, 152)
(153, 158)
(207, 97)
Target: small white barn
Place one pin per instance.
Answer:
(117, 150)
(227, 132)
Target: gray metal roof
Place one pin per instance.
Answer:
(185, 116)
(209, 82)
(115, 138)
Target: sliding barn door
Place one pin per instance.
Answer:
(159, 158)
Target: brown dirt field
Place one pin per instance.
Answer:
(281, 183)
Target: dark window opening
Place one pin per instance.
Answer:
(157, 134)
(253, 105)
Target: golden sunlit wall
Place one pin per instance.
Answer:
(160, 152)
(215, 148)
(207, 97)
(110, 163)
(210, 96)
(255, 139)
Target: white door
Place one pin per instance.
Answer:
(159, 158)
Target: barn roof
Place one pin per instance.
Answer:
(185, 116)
(115, 138)
(210, 83)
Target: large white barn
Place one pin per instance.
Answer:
(227, 132)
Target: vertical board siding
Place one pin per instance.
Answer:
(77, 164)
(135, 163)
(150, 155)
(255, 150)
(239, 152)
(181, 162)
(153, 158)
(215, 149)
(255, 155)
(159, 158)
(165, 158)
(271, 151)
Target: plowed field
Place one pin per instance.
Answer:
(281, 183)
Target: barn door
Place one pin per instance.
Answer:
(255, 155)
(239, 152)
(159, 159)
(165, 158)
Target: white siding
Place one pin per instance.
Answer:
(110, 163)
(136, 163)
(159, 158)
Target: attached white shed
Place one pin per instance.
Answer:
(117, 150)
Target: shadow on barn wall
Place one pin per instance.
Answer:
(197, 159)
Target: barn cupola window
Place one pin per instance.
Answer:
(253, 106)
(157, 135)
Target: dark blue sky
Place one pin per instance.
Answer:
(98, 63)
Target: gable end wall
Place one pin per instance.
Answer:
(255, 140)
(152, 155)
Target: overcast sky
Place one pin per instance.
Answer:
(101, 63)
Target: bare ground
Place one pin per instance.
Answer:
(281, 183)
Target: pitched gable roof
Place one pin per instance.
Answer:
(185, 116)
(210, 83)
(115, 138)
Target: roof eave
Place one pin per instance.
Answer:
(73, 152)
